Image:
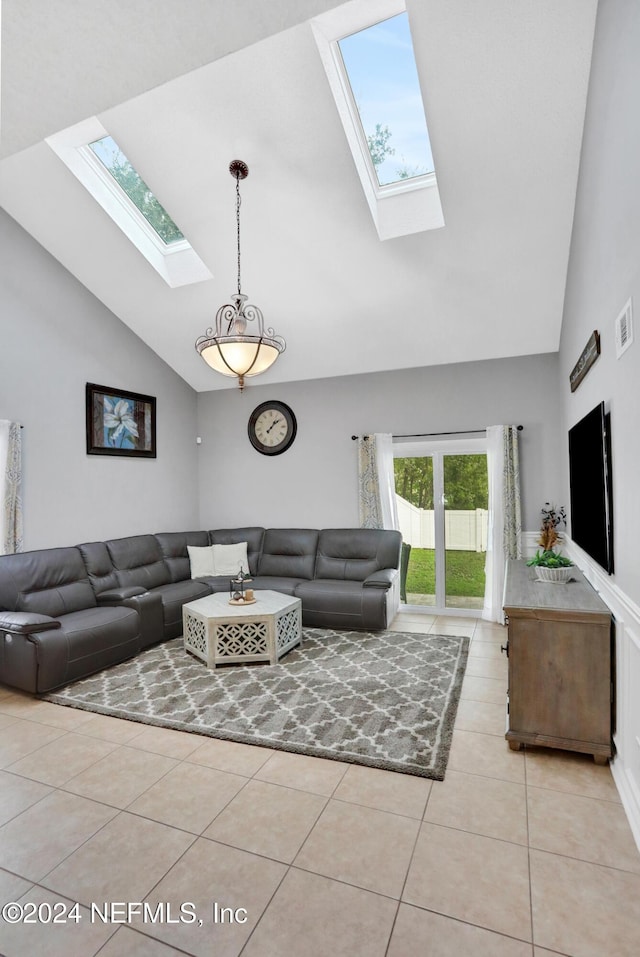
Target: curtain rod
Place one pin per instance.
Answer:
(426, 435)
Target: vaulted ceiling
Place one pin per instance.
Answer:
(185, 88)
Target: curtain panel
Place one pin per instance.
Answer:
(377, 490)
(504, 534)
(10, 487)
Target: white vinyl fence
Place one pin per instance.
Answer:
(464, 530)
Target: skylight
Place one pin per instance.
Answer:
(367, 51)
(381, 70)
(98, 162)
(130, 181)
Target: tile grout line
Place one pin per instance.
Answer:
(290, 866)
(406, 876)
(468, 923)
(141, 933)
(581, 860)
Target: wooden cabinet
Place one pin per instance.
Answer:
(560, 664)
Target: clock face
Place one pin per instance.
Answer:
(272, 428)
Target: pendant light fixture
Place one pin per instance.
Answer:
(230, 348)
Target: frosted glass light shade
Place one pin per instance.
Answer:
(240, 358)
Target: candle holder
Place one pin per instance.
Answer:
(237, 588)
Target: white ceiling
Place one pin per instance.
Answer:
(504, 85)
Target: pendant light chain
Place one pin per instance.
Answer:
(238, 344)
(238, 201)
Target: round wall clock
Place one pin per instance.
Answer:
(272, 427)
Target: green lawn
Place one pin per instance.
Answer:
(464, 574)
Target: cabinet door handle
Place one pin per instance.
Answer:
(505, 648)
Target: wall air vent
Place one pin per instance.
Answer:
(624, 329)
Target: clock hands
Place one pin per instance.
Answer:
(275, 422)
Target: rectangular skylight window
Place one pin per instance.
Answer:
(367, 51)
(129, 180)
(97, 161)
(381, 69)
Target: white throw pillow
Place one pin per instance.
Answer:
(201, 560)
(229, 559)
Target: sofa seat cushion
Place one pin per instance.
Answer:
(215, 583)
(96, 638)
(328, 603)
(174, 596)
(286, 586)
(100, 627)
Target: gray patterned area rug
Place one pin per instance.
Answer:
(382, 699)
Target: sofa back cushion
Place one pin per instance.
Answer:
(289, 552)
(173, 546)
(50, 581)
(97, 559)
(352, 554)
(138, 560)
(253, 535)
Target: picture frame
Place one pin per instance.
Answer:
(120, 422)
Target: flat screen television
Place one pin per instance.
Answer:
(591, 486)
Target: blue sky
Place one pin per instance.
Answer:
(381, 67)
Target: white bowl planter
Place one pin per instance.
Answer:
(557, 575)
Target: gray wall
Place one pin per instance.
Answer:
(314, 483)
(54, 337)
(604, 267)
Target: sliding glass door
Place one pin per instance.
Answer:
(442, 496)
(416, 516)
(465, 504)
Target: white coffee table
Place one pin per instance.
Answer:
(220, 633)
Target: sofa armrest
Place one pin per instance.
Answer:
(383, 578)
(25, 623)
(118, 596)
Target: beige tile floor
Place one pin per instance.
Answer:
(513, 855)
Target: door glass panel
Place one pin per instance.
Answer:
(414, 494)
(466, 500)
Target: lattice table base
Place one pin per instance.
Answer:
(220, 633)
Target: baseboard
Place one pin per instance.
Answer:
(529, 542)
(625, 766)
(629, 795)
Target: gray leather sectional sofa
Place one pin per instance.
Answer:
(68, 612)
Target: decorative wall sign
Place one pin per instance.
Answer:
(589, 355)
(120, 423)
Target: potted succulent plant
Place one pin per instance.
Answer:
(550, 565)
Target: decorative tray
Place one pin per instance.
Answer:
(244, 601)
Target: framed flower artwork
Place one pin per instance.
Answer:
(120, 423)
